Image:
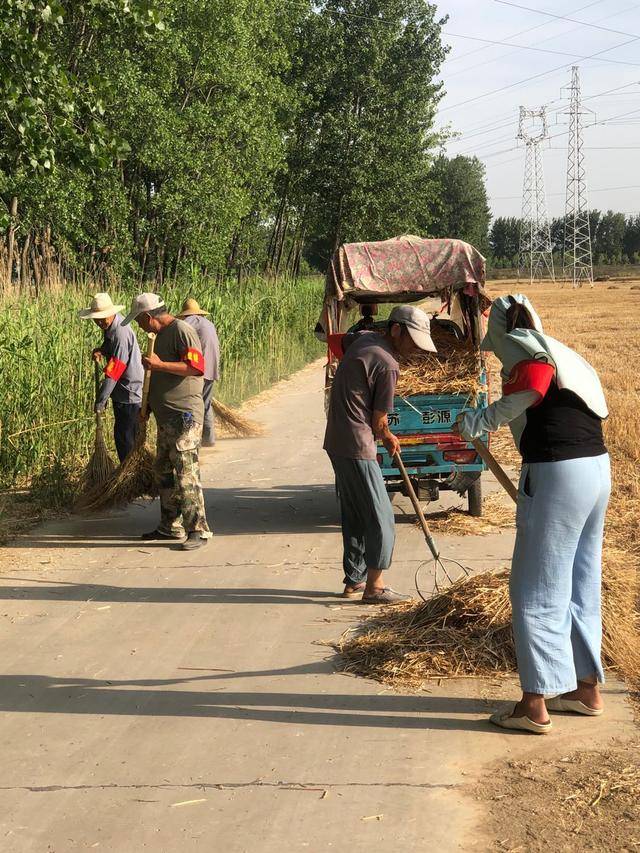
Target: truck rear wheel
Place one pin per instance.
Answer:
(474, 497)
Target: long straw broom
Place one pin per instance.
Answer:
(100, 467)
(234, 422)
(134, 477)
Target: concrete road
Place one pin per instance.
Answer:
(154, 699)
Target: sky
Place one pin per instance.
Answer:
(488, 126)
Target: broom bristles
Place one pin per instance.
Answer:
(133, 479)
(236, 423)
(99, 469)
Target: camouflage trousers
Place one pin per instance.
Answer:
(177, 473)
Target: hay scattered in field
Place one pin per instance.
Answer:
(620, 617)
(498, 512)
(465, 630)
(452, 370)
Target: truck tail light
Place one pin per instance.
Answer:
(461, 457)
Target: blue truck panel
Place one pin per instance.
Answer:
(425, 435)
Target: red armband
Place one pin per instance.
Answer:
(114, 369)
(529, 376)
(195, 358)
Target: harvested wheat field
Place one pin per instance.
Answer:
(464, 631)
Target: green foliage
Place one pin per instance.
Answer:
(460, 209)
(48, 112)
(360, 154)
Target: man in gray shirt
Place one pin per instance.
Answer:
(194, 316)
(361, 397)
(123, 372)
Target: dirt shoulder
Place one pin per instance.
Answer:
(582, 800)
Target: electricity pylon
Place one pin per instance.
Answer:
(577, 261)
(535, 254)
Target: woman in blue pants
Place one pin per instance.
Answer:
(553, 401)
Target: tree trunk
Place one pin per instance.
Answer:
(11, 236)
(24, 262)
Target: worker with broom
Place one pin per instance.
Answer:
(194, 316)
(553, 401)
(123, 372)
(361, 397)
(175, 398)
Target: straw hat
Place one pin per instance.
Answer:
(101, 306)
(190, 307)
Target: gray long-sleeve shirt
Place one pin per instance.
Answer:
(123, 372)
(210, 345)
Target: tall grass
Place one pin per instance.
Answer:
(46, 393)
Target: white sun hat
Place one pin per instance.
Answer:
(101, 307)
(141, 304)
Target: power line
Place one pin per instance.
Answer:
(563, 18)
(603, 121)
(519, 33)
(549, 38)
(536, 49)
(533, 77)
(515, 35)
(599, 190)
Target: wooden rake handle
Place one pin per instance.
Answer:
(416, 505)
(496, 469)
(151, 342)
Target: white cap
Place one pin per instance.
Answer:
(101, 307)
(141, 304)
(417, 324)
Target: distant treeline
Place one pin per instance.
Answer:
(615, 239)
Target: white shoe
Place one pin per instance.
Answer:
(572, 706)
(523, 724)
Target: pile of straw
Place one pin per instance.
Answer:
(465, 630)
(497, 514)
(452, 370)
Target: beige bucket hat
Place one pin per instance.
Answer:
(189, 307)
(101, 306)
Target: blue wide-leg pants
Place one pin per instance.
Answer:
(556, 572)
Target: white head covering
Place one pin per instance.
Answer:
(572, 371)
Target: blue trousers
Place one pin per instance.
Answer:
(556, 572)
(368, 523)
(125, 427)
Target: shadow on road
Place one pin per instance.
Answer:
(282, 509)
(43, 694)
(91, 593)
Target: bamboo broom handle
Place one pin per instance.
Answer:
(496, 469)
(96, 375)
(416, 505)
(151, 342)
